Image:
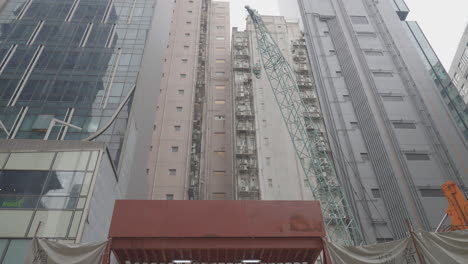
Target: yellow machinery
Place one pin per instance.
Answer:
(457, 206)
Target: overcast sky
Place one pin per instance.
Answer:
(443, 22)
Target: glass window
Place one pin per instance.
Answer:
(17, 250)
(86, 183)
(220, 153)
(54, 223)
(75, 224)
(17, 222)
(219, 173)
(382, 73)
(359, 20)
(3, 158)
(219, 117)
(183, 75)
(175, 149)
(169, 197)
(431, 192)
(376, 193)
(18, 201)
(64, 183)
(219, 87)
(220, 60)
(71, 161)
(417, 156)
(57, 202)
(30, 161)
(3, 244)
(179, 108)
(374, 52)
(93, 160)
(81, 203)
(176, 128)
(387, 97)
(181, 91)
(404, 125)
(172, 172)
(219, 37)
(218, 196)
(16, 182)
(366, 34)
(220, 102)
(219, 73)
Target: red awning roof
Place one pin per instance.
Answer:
(216, 231)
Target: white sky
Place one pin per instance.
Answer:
(443, 22)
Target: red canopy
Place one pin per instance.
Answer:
(216, 231)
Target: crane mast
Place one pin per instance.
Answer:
(304, 132)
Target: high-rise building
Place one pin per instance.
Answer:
(459, 68)
(72, 72)
(393, 137)
(452, 96)
(266, 164)
(191, 151)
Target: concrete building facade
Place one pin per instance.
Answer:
(391, 132)
(459, 68)
(266, 163)
(190, 156)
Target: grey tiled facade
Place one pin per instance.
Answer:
(391, 126)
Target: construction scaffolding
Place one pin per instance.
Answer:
(246, 168)
(194, 192)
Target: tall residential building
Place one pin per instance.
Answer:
(393, 136)
(191, 152)
(459, 68)
(71, 72)
(266, 164)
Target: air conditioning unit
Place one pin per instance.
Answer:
(244, 189)
(244, 167)
(254, 188)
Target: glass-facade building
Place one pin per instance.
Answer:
(82, 74)
(53, 190)
(72, 60)
(449, 92)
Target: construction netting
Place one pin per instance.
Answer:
(419, 248)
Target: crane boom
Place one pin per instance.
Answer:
(317, 165)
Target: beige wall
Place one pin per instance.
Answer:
(213, 160)
(218, 155)
(161, 158)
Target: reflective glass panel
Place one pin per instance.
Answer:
(17, 182)
(3, 157)
(17, 251)
(18, 201)
(71, 161)
(54, 223)
(15, 222)
(30, 161)
(75, 224)
(64, 183)
(57, 202)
